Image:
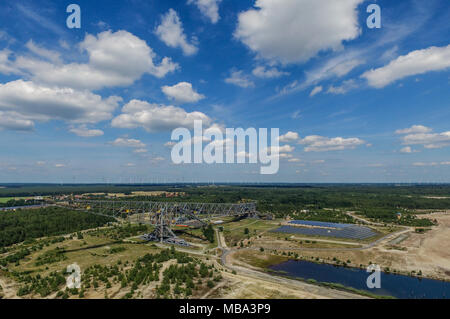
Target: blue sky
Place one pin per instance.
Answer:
(98, 104)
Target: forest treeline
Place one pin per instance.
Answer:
(18, 226)
(378, 201)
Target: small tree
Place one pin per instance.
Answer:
(208, 232)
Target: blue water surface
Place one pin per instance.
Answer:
(399, 286)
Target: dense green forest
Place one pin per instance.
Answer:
(381, 203)
(19, 190)
(24, 224)
(378, 201)
(336, 196)
(227, 192)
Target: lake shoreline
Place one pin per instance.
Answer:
(277, 270)
(328, 285)
(399, 273)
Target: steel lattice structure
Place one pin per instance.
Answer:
(163, 215)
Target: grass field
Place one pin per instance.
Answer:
(235, 231)
(260, 260)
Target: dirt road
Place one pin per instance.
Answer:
(305, 289)
(363, 220)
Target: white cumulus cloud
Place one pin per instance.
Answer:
(42, 103)
(428, 140)
(127, 142)
(316, 90)
(280, 149)
(297, 30)
(414, 63)
(140, 151)
(414, 129)
(335, 67)
(171, 32)
(50, 55)
(115, 59)
(182, 92)
(209, 8)
(6, 65)
(15, 122)
(156, 117)
(315, 143)
(84, 131)
(268, 73)
(289, 137)
(422, 135)
(240, 79)
(343, 88)
(406, 150)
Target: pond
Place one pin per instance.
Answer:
(398, 286)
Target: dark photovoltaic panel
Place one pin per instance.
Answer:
(319, 224)
(349, 231)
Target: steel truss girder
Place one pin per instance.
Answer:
(172, 208)
(164, 214)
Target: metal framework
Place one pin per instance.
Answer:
(164, 215)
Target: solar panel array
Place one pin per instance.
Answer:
(348, 231)
(319, 224)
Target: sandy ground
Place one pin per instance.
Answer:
(243, 287)
(8, 288)
(427, 252)
(430, 251)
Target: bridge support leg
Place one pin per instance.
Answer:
(164, 234)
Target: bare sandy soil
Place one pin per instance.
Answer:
(8, 288)
(427, 252)
(243, 287)
(431, 251)
(248, 284)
